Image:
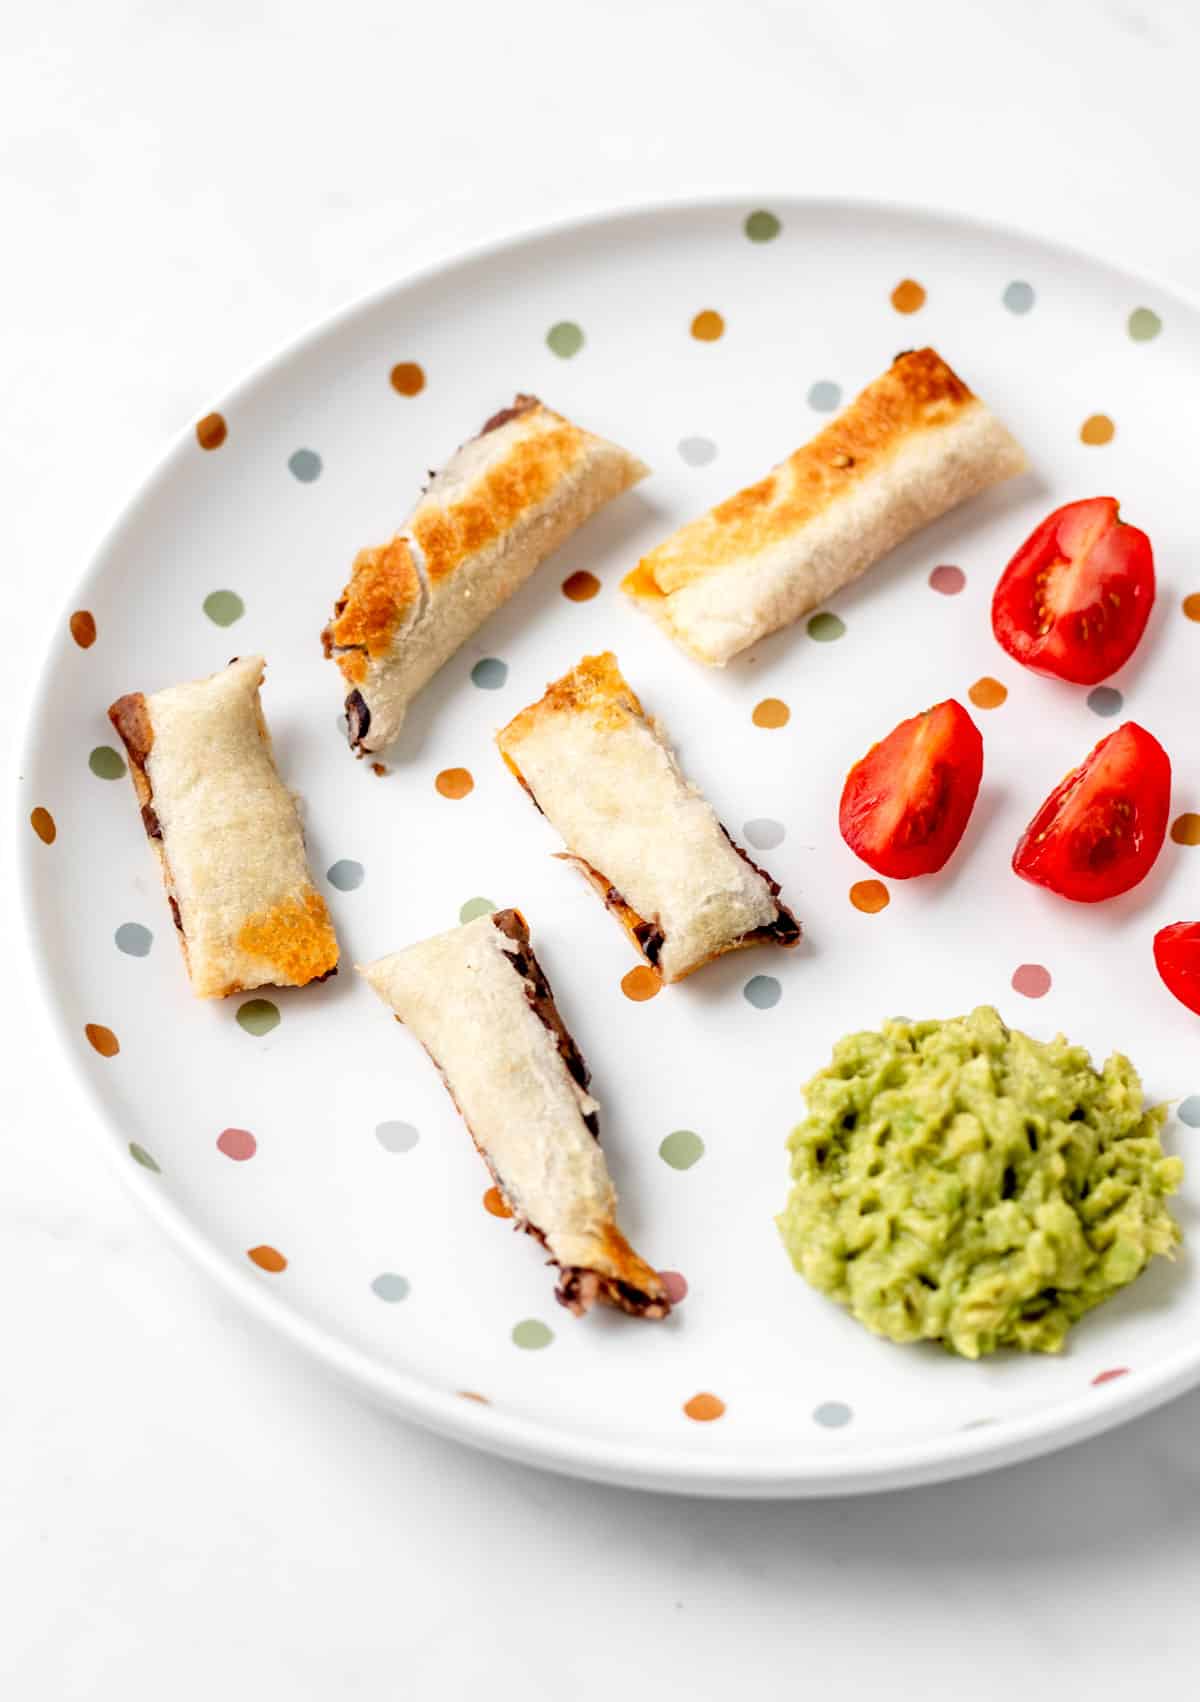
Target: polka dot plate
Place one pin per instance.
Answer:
(298, 1142)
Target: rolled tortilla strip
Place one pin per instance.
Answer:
(478, 1002)
(495, 511)
(602, 772)
(911, 446)
(227, 834)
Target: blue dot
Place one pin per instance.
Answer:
(1105, 700)
(133, 939)
(832, 1414)
(390, 1287)
(762, 991)
(489, 674)
(345, 874)
(1189, 1111)
(825, 396)
(305, 464)
(396, 1137)
(1019, 297)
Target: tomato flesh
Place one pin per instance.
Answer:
(1074, 600)
(1099, 833)
(906, 805)
(1177, 955)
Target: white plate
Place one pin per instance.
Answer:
(808, 315)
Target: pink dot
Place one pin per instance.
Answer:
(948, 580)
(1032, 979)
(675, 1285)
(237, 1143)
(1110, 1376)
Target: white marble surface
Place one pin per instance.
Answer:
(186, 1508)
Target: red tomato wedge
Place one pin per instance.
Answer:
(906, 805)
(1075, 599)
(1099, 832)
(1177, 955)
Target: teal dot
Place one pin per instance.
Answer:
(681, 1149)
(1144, 325)
(345, 874)
(825, 396)
(258, 1016)
(1189, 1111)
(489, 674)
(475, 907)
(762, 991)
(762, 226)
(224, 607)
(133, 939)
(1105, 700)
(1018, 297)
(305, 465)
(142, 1157)
(105, 763)
(825, 628)
(390, 1287)
(832, 1414)
(565, 339)
(531, 1332)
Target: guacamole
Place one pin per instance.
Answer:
(959, 1182)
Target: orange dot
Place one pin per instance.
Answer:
(211, 431)
(267, 1259)
(102, 1039)
(495, 1202)
(704, 1408)
(1097, 428)
(641, 983)
(83, 628)
(470, 1395)
(1191, 606)
(708, 326)
(771, 712)
(455, 782)
(408, 378)
(42, 823)
(908, 296)
(870, 896)
(580, 587)
(1185, 829)
(987, 693)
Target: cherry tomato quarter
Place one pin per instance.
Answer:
(1177, 956)
(906, 804)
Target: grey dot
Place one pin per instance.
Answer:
(396, 1137)
(832, 1414)
(697, 451)
(763, 833)
(490, 673)
(345, 874)
(133, 939)
(825, 396)
(390, 1287)
(1105, 700)
(762, 991)
(305, 464)
(1189, 1111)
(1018, 296)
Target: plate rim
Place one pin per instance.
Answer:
(516, 1436)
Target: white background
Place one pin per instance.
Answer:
(187, 1509)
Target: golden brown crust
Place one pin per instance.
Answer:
(295, 937)
(383, 585)
(595, 687)
(917, 392)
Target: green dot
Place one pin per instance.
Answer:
(826, 627)
(681, 1149)
(762, 226)
(142, 1157)
(105, 764)
(224, 607)
(475, 907)
(565, 338)
(1144, 325)
(531, 1332)
(258, 1016)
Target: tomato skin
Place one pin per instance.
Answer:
(1074, 600)
(906, 804)
(1099, 832)
(1177, 958)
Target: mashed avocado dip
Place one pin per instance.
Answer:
(959, 1182)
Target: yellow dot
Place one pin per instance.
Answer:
(267, 1259)
(580, 587)
(987, 693)
(908, 296)
(42, 823)
(708, 326)
(1185, 829)
(83, 628)
(704, 1408)
(771, 712)
(211, 431)
(408, 378)
(102, 1039)
(870, 896)
(1097, 428)
(494, 1202)
(455, 782)
(1191, 606)
(640, 984)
